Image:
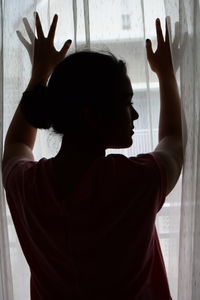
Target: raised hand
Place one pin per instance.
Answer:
(160, 60)
(41, 50)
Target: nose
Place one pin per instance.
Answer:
(135, 114)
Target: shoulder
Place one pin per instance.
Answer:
(150, 162)
(143, 176)
(17, 167)
(144, 168)
(170, 152)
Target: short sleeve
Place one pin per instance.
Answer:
(14, 170)
(141, 179)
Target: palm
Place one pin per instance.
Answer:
(160, 60)
(41, 48)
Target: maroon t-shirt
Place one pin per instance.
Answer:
(98, 243)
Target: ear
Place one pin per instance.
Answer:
(90, 117)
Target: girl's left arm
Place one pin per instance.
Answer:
(20, 137)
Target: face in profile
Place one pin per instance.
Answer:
(114, 126)
(120, 125)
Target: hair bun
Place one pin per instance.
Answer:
(35, 107)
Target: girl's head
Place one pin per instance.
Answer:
(88, 94)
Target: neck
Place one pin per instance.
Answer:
(81, 150)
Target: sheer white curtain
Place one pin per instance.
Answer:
(189, 261)
(121, 27)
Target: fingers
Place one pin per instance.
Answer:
(149, 49)
(159, 33)
(39, 29)
(52, 29)
(23, 40)
(29, 30)
(65, 48)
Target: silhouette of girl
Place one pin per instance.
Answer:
(86, 221)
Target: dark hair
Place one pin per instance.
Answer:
(81, 79)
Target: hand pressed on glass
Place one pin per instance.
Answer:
(45, 56)
(160, 60)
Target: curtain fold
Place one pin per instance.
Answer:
(75, 22)
(5, 265)
(120, 26)
(148, 92)
(16, 73)
(87, 23)
(189, 265)
(187, 14)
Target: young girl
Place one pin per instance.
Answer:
(86, 221)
